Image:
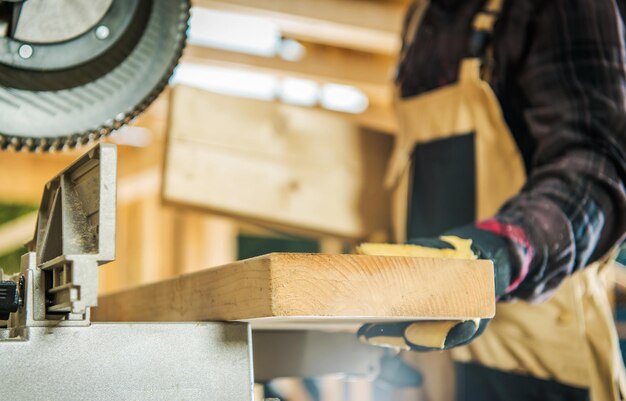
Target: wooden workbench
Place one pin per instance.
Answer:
(304, 291)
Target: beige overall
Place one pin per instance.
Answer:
(571, 338)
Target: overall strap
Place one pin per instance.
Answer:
(480, 38)
(480, 45)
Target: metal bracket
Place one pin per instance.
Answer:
(75, 234)
(45, 344)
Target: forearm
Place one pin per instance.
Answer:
(571, 213)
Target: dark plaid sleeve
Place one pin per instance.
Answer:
(572, 210)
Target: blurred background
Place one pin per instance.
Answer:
(273, 136)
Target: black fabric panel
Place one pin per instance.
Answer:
(479, 383)
(442, 194)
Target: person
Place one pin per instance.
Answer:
(512, 147)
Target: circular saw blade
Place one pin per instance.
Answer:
(58, 109)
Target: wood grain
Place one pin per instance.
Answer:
(303, 291)
(288, 167)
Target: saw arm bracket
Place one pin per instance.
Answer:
(75, 233)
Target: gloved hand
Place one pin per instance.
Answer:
(467, 242)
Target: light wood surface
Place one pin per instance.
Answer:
(301, 170)
(355, 24)
(304, 291)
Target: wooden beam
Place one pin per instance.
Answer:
(371, 26)
(285, 166)
(304, 291)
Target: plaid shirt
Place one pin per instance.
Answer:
(561, 80)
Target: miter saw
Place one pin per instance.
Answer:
(71, 71)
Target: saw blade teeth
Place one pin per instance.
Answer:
(56, 144)
(43, 144)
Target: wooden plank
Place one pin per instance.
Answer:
(304, 291)
(285, 166)
(372, 26)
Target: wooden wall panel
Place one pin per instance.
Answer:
(300, 169)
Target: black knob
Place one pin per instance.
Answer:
(9, 299)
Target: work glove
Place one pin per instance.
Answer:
(467, 242)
